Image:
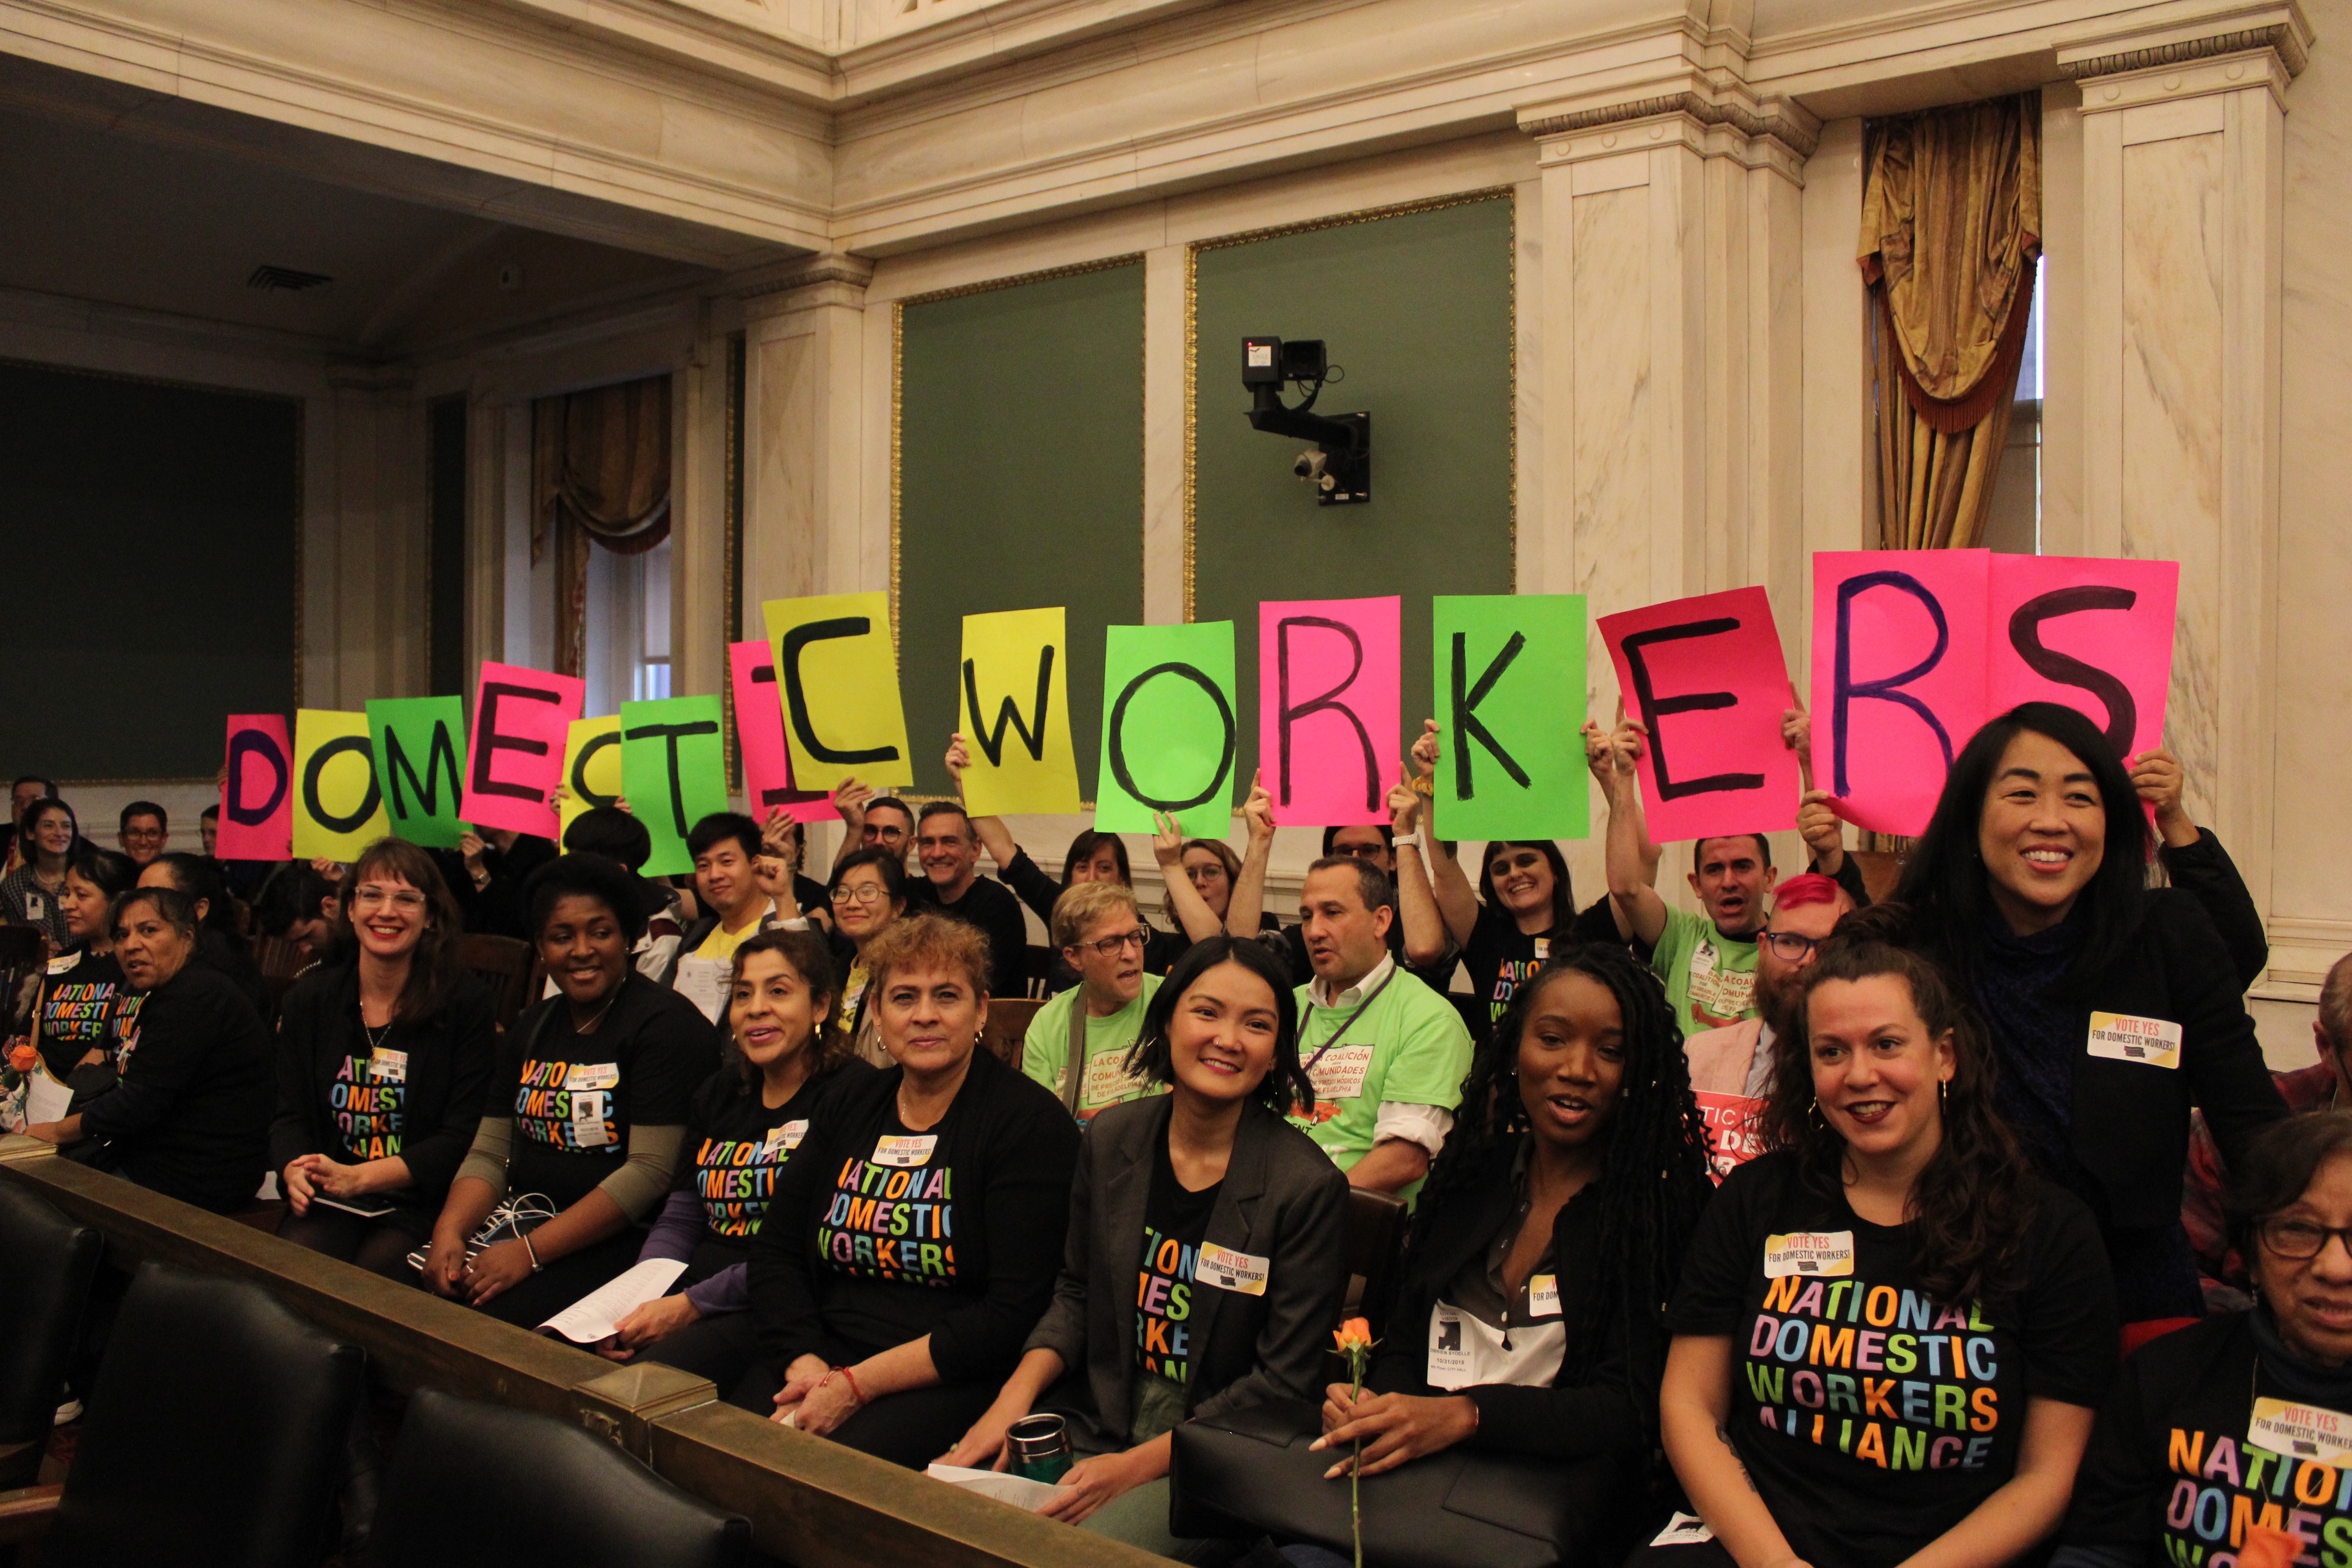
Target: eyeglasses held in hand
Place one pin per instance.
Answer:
(1110, 946)
(2299, 1240)
(400, 898)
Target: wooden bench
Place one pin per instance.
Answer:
(810, 1501)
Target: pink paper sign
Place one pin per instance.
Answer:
(759, 731)
(1898, 677)
(1706, 675)
(1329, 689)
(2094, 635)
(256, 819)
(516, 757)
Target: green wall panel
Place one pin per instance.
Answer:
(1020, 484)
(150, 540)
(1417, 308)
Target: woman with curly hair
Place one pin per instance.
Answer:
(1890, 1335)
(1206, 1253)
(1529, 1318)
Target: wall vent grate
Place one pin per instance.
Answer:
(293, 279)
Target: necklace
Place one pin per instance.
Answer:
(590, 1026)
(376, 1037)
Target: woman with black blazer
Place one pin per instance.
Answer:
(1529, 1317)
(383, 1063)
(911, 1243)
(1206, 1260)
(2113, 1007)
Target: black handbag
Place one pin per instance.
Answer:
(1250, 1474)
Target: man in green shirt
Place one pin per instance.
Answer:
(1101, 935)
(1385, 1053)
(1707, 961)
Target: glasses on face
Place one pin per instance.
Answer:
(400, 898)
(1360, 851)
(144, 835)
(2299, 1240)
(866, 894)
(1110, 946)
(1788, 946)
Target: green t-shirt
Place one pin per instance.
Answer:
(1045, 1050)
(1408, 1046)
(1710, 977)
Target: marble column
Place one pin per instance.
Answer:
(803, 435)
(700, 417)
(2183, 200)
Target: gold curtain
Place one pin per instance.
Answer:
(600, 476)
(1951, 232)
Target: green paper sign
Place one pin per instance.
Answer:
(420, 762)
(1169, 729)
(673, 772)
(1510, 696)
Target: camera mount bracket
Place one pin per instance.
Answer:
(1344, 439)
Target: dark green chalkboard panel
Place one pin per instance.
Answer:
(150, 541)
(1020, 484)
(1417, 307)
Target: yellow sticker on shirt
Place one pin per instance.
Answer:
(1815, 1254)
(906, 1153)
(1227, 1269)
(2310, 1432)
(2150, 1042)
(1543, 1295)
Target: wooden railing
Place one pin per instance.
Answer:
(810, 1501)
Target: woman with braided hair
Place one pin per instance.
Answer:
(1546, 1244)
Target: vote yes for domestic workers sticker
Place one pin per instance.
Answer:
(389, 1067)
(2310, 1432)
(592, 1075)
(2150, 1042)
(1229, 1270)
(1543, 1295)
(1815, 1254)
(906, 1153)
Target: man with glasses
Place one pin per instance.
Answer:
(949, 852)
(1077, 1044)
(1731, 1068)
(142, 832)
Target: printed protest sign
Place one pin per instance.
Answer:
(837, 675)
(515, 757)
(1169, 731)
(674, 771)
(1707, 677)
(760, 733)
(1328, 686)
(420, 765)
(1510, 680)
(256, 819)
(1014, 694)
(338, 807)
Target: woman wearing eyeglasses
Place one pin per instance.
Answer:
(1077, 1045)
(869, 893)
(2235, 1436)
(382, 1062)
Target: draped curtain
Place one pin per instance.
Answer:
(1952, 233)
(600, 478)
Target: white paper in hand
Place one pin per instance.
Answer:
(1003, 1486)
(708, 983)
(46, 1099)
(594, 1316)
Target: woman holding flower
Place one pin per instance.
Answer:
(1204, 1265)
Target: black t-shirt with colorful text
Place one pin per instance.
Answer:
(1500, 958)
(365, 1102)
(1175, 1222)
(574, 1096)
(892, 1213)
(735, 1145)
(1871, 1417)
(78, 1008)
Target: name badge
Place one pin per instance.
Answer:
(783, 1139)
(1229, 1270)
(1339, 1073)
(588, 1129)
(2151, 1042)
(906, 1151)
(592, 1075)
(1823, 1254)
(35, 910)
(2301, 1431)
(1449, 1357)
(1543, 949)
(389, 1067)
(1543, 1295)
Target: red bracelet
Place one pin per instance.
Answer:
(851, 1378)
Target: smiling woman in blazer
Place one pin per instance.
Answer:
(1203, 1269)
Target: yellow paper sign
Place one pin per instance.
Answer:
(1013, 691)
(837, 678)
(338, 807)
(591, 766)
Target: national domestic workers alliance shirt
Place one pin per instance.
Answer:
(574, 1096)
(1872, 1417)
(1175, 1224)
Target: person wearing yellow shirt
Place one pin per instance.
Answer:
(736, 906)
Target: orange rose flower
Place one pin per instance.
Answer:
(1353, 1334)
(24, 1059)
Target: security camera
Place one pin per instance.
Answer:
(1340, 466)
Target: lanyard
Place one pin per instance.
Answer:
(1345, 1024)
